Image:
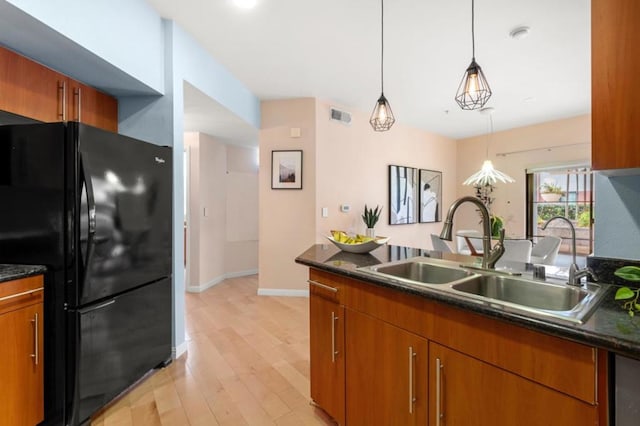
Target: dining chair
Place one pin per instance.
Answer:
(439, 244)
(546, 250)
(475, 237)
(517, 250)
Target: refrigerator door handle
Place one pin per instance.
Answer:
(91, 215)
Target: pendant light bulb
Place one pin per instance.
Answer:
(473, 91)
(488, 175)
(382, 117)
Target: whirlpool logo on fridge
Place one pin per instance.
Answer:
(159, 160)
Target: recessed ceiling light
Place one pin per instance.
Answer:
(245, 4)
(519, 32)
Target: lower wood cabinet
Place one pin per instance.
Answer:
(21, 360)
(466, 391)
(327, 355)
(386, 373)
(384, 357)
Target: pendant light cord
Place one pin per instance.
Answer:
(382, 46)
(473, 37)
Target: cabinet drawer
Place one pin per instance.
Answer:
(326, 285)
(19, 293)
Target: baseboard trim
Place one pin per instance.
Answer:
(282, 292)
(178, 351)
(218, 280)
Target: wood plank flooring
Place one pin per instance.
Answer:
(247, 364)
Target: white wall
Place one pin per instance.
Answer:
(223, 214)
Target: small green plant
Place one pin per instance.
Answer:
(629, 297)
(551, 188)
(497, 223)
(371, 216)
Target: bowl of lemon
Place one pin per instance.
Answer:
(356, 244)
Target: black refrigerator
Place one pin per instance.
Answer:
(95, 208)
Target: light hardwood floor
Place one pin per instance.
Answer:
(247, 364)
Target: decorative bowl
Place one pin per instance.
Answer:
(361, 247)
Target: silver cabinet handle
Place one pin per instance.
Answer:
(439, 413)
(412, 398)
(334, 318)
(24, 293)
(326, 287)
(35, 354)
(62, 88)
(78, 94)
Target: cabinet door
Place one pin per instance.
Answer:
(21, 367)
(386, 373)
(327, 355)
(30, 89)
(466, 391)
(87, 105)
(615, 89)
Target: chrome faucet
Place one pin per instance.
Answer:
(575, 273)
(489, 256)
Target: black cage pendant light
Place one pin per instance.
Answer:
(474, 91)
(382, 117)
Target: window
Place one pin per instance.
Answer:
(566, 192)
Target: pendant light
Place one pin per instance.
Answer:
(382, 117)
(474, 91)
(488, 175)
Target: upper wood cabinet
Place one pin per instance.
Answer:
(35, 91)
(21, 360)
(615, 86)
(30, 89)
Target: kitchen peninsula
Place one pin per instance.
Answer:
(418, 352)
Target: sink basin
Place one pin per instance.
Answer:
(420, 271)
(558, 300)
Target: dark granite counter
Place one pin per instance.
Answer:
(608, 327)
(14, 272)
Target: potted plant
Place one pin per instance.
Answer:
(551, 192)
(629, 297)
(370, 218)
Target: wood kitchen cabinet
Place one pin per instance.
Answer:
(30, 89)
(615, 87)
(327, 355)
(386, 373)
(404, 359)
(21, 360)
(35, 91)
(464, 390)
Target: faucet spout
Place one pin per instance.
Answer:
(489, 256)
(575, 273)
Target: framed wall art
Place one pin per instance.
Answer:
(403, 195)
(430, 196)
(286, 169)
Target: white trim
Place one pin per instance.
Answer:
(282, 292)
(177, 352)
(218, 280)
(241, 273)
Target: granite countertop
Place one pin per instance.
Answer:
(608, 327)
(14, 272)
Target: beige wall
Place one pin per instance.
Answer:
(286, 219)
(527, 147)
(353, 166)
(223, 214)
(341, 165)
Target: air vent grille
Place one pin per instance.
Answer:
(341, 116)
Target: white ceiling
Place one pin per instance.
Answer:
(330, 49)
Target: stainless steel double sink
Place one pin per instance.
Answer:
(513, 293)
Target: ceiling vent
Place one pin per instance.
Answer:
(341, 116)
